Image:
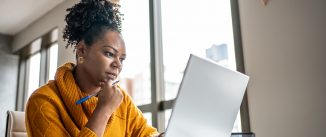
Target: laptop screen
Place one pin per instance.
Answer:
(208, 100)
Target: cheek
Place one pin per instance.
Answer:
(99, 64)
(103, 65)
(121, 68)
(95, 66)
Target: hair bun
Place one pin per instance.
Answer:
(87, 14)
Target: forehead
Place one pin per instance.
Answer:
(112, 39)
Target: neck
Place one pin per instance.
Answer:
(84, 82)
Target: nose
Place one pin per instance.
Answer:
(117, 64)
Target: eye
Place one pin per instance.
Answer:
(122, 59)
(109, 54)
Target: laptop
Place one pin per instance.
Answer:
(208, 100)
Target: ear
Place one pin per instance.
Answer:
(81, 49)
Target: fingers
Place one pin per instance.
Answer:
(105, 85)
(115, 82)
(110, 87)
(111, 96)
(110, 82)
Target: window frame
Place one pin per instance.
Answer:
(158, 105)
(244, 109)
(24, 56)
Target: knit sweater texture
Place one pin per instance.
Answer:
(51, 111)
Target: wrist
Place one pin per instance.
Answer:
(103, 110)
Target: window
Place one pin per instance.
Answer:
(136, 81)
(159, 37)
(203, 28)
(38, 63)
(53, 60)
(34, 63)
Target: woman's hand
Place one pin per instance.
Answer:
(109, 99)
(110, 96)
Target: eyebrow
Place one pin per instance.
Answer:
(115, 50)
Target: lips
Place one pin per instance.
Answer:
(111, 76)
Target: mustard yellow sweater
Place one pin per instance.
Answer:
(52, 112)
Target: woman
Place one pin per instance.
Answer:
(93, 28)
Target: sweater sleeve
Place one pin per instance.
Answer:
(43, 120)
(137, 124)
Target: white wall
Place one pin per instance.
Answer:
(54, 18)
(8, 80)
(284, 52)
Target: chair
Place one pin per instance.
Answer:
(16, 124)
(243, 134)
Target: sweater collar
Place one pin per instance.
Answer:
(70, 93)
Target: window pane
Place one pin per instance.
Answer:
(34, 73)
(135, 77)
(167, 116)
(53, 51)
(148, 117)
(203, 28)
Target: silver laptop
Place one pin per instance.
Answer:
(208, 101)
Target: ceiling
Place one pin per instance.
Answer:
(15, 15)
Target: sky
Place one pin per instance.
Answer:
(188, 26)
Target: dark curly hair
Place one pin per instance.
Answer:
(89, 19)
